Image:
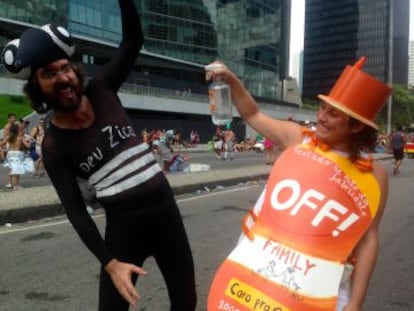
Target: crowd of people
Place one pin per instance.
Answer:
(167, 144)
(225, 144)
(20, 150)
(224, 141)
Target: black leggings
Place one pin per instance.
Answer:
(133, 236)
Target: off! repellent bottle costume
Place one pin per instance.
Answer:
(316, 206)
(303, 234)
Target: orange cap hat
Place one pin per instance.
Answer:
(358, 94)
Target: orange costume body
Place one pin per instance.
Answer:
(315, 208)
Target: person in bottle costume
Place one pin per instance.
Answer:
(310, 242)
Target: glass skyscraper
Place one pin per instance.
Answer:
(181, 37)
(338, 33)
(251, 36)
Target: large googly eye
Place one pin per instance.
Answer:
(62, 31)
(61, 37)
(8, 58)
(8, 55)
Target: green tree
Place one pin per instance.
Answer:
(13, 104)
(402, 111)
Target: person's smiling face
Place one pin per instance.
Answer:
(60, 85)
(333, 127)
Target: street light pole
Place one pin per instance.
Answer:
(390, 64)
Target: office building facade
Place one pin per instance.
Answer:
(250, 36)
(338, 33)
(411, 65)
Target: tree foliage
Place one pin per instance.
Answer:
(13, 104)
(402, 109)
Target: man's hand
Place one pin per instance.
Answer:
(121, 273)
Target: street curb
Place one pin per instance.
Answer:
(179, 190)
(24, 214)
(53, 207)
(31, 213)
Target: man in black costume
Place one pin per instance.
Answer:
(90, 136)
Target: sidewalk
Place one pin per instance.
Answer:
(42, 201)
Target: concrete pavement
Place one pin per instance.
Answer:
(42, 201)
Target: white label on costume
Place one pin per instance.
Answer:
(289, 268)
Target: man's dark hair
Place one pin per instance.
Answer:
(362, 141)
(35, 95)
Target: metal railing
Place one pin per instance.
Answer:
(152, 91)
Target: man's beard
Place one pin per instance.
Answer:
(65, 105)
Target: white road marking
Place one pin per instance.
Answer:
(61, 222)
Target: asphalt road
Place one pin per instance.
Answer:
(46, 267)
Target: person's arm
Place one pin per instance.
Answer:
(366, 251)
(117, 69)
(24, 142)
(4, 141)
(6, 130)
(33, 132)
(284, 133)
(67, 188)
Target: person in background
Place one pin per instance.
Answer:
(145, 136)
(324, 200)
(38, 133)
(90, 136)
(24, 126)
(270, 151)
(194, 138)
(172, 161)
(228, 144)
(24, 133)
(15, 155)
(11, 119)
(154, 140)
(218, 140)
(2, 154)
(397, 142)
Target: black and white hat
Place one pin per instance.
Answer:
(36, 48)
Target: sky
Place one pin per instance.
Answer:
(297, 28)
